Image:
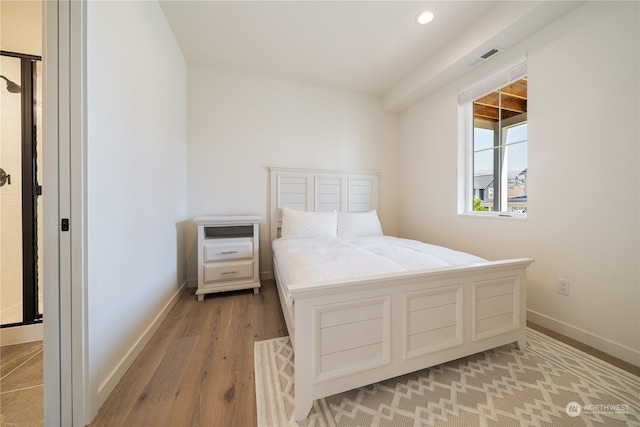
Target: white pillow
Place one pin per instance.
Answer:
(304, 225)
(358, 224)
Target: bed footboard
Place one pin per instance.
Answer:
(352, 334)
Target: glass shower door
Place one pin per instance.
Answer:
(10, 191)
(20, 212)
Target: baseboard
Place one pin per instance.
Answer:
(605, 345)
(21, 334)
(105, 389)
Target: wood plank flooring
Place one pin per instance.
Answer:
(197, 370)
(587, 349)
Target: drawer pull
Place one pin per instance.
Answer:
(229, 272)
(228, 252)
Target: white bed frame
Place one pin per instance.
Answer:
(347, 335)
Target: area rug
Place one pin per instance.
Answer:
(546, 384)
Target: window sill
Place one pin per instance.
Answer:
(495, 215)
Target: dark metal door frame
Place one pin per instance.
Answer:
(30, 190)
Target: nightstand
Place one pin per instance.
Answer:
(227, 254)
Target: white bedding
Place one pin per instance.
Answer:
(311, 261)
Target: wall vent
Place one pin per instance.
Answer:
(488, 54)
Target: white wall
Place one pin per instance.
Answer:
(240, 124)
(136, 180)
(583, 221)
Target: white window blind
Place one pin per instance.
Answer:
(493, 81)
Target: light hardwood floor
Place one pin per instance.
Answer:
(587, 349)
(197, 370)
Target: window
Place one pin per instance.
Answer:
(493, 144)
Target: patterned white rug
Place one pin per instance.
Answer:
(547, 384)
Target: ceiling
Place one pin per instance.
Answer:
(366, 46)
(374, 47)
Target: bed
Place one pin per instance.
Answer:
(362, 307)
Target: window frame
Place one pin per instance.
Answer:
(467, 95)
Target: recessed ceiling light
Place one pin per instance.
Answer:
(425, 17)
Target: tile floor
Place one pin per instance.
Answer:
(21, 385)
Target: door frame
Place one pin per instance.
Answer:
(29, 192)
(68, 393)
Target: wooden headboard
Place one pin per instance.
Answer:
(317, 190)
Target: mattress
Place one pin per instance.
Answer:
(304, 262)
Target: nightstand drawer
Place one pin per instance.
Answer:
(228, 249)
(228, 270)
